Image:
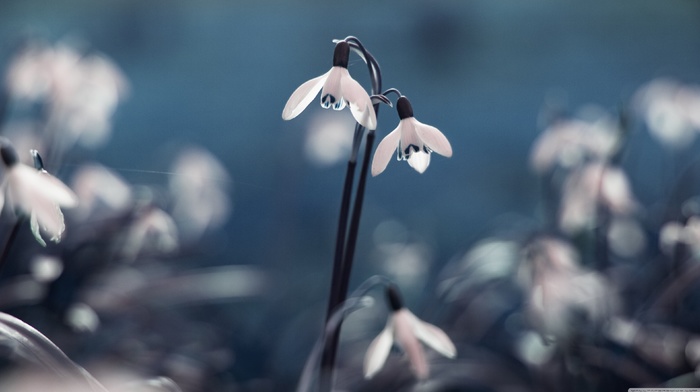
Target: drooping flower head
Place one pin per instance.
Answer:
(404, 328)
(413, 141)
(34, 192)
(338, 90)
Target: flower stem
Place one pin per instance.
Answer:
(341, 278)
(340, 238)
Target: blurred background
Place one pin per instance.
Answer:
(216, 74)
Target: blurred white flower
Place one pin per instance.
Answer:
(82, 91)
(86, 98)
(568, 142)
(413, 141)
(154, 230)
(588, 187)
(671, 111)
(36, 193)
(99, 188)
(28, 76)
(338, 89)
(673, 233)
(199, 187)
(406, 330)
(561, 295)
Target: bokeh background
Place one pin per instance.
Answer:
(217, 74)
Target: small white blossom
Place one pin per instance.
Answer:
(154, 230)
(82, 91)
(413, 141)
(593, 185)
(671, 111)
(338, 89)
(568, 142)
(199, 188)
(100, 191)
(560, 293)
(673, 233)
(407, 331)
(35, 193)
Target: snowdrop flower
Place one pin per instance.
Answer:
(28, 77)
(414, 139)
(36, 193)
(338, 89)
(568, 143)
(404, 328)
(561, 295)
(673, 233)
(82, 91)
(199, 189)
(100, 191)
(593, 185)
(670, 110)
(154, 230)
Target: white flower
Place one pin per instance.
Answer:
(36, 193)
(338, 89)
(560, 294)
(101, 191)
(671, 111)
(404, 328)
(154, 231)
(567, 143)
(593, 185)
(82, 92)
(673, 233)
(198, 186)
(414, 139)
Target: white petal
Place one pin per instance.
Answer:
(433, 138)
(671, 233)
(385, 150)
(378, 351)
(405, 337)
(302, 97)
(49, 217)
(332, 88)
(59, 192)
(360, 103)
(30, 183)
(34, 225)
(435, 338)
(616, 191)
(419, 161)
(409, 137)
(40, 194)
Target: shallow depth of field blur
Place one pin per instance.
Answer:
(231, 294)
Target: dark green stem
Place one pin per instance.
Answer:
(339, 293)
(345, 244)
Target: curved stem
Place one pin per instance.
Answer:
(345, 244)
(340, 238)
(392, 90)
